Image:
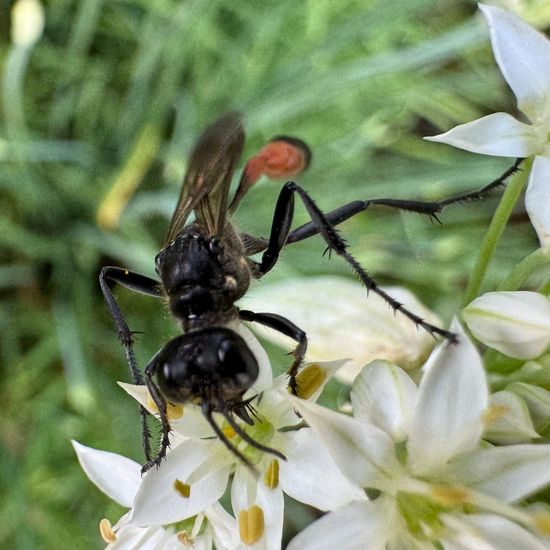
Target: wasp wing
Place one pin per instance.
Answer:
(206, 184)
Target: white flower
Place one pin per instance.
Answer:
(515, 323)
(342, 320)
(27, 22)
(523, 56)
(119, 478)
(200, 465)
(417, 452)
(508, 420)
(538, 402)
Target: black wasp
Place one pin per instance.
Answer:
(206, 266)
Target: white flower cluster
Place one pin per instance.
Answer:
(441, 463)
(523, 56)
(197, 470)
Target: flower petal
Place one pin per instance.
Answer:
(265, 376)
(130, 537)
(357, 526)
(247, 492)
(312, 378)
(140, 394)
(451, 399)
(515, 323)
(224, 527)
(193, 462)
(363, 452)
(488, 532)
(191, 424)
(499, 134)
(538, 403)
(509, 473)
(384, 395)
(508, 420)
(310, 474)
(355, 325)
(117, 476)
(523, 55)
(537, 199)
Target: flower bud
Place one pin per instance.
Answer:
(514, 323)
(27, 22)
(341, 320)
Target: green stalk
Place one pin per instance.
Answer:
(545, 289)
(537, 259)
(496, 228)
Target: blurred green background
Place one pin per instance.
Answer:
(112, 96)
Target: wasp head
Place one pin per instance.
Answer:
(213, 364)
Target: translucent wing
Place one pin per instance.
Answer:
(206, 184)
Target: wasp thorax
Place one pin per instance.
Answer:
(212, 363)
(208, 281)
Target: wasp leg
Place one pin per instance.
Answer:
(160, 403)
(288, 328)
(282, 219)
(144, 285)
(431, 209)
(137, 283)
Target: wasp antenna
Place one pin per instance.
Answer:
(243, 435)
(207, 411)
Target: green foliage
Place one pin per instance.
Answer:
(114, 94)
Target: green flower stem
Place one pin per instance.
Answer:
(545, 289)
(537, 259)
(131, 175)
(496, 228)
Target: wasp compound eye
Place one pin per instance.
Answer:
(225, 350)
(213, 362)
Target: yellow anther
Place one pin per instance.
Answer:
(450, 495)
(493, 413)
(173, 411)
(251, 524)
(229, 432)
(106, 531)
(271, 476)
(310, 380)
(151, 405)
(182, 488)
(541, 521)
(184, 538)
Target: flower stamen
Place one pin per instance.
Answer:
(541, 522)
(228, 431)
(310, 379)
(450, 495)
(493, 414)
(184, 489)
(184, 538)
(106, 531)
(251, 524)
(173, 411)
(271, 476)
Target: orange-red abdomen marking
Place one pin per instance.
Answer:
(278, 159)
